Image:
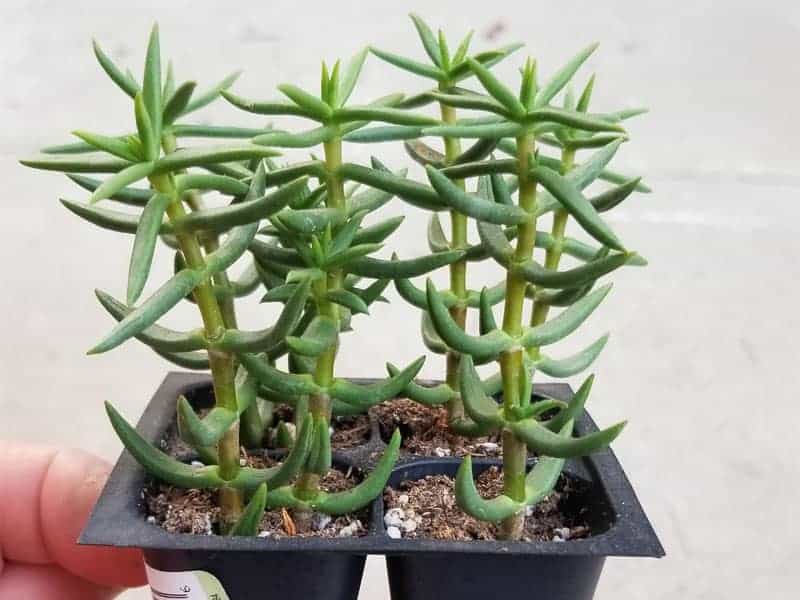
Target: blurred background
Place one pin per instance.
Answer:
(702, 357)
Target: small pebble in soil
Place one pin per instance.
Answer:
(442, 452)
(321, 521)
(352, 529)
(394, 533)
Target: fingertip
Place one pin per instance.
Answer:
(69, 492)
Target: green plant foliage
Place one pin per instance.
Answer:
(314, 234)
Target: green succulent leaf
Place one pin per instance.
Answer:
(383, 133)
(157, 337)
(161, 465)
(386, 115)
(427, 395)
(205, 98)
(577, 276)
(540, 439)
(429, 41)
(177, 103)
(496, 88)
(144, 245)
(341, 503)
(577, 205)
(349, 300)
(412, 192)
(574, 409)
(250, 521)
(304, 139)
(308, 102)
(482, 348)
(368, 395)
(565, 323)
(203, 157)
(492, 130)
(321, 334)
(268, 107)
(142, 317)
(376, 268)
(120, 180)
(116, 146)
(472, 503)
(123, 81)
(548, 91)
(481, 408)
(282, 383)
(572, 365)
(475, 206)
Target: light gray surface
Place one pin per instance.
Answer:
(703, 340)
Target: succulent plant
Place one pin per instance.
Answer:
(299, 227)
(513, 123)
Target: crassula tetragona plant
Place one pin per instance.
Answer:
(299, 228)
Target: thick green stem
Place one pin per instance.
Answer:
(319, 405)
(458, 269)
(223, 368)
(511, 363)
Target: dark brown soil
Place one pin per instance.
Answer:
(425, 431)
(430, 503)
(195, 511)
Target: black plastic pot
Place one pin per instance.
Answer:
(331, 569)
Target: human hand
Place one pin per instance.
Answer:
(46, 495)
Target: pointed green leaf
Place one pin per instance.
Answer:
(496, 243)
(310, 103)
(574, 409)
(202, 157)
(383, 133)
(304, 139)
(151, 83)
(482, 348)
(177, 103)
(435, 395)
(395, 268)
(563, 76)
(577, 276)
(351, 73)
(341, 503)
(107, 219)
(496, 88)
(430, 337)
(377, 233)
(116, 146)
(250, 521)
(572, 119)
(472, 101)
(94, 163)
(487, 320)
(158, 464)
(565, 323)
(144, 245)
(395, 116)
(157, 337)
(613, 197)
(481, 408)
(268, 107)
(474, 206)
(437, 241)
(577, 205)
(478, 151)
(142, 317)
(309, 221)
(282, 383)
(429, 41)
(412, 192)
(120, 180)
(366, 395)
(540, 439)
(408, 64)
(542, 478)
(572, 365)
(125, 83)
(349, 300)
(132, 196)
(208, 181)
(472, 503)
(478, 130)
(321, 334)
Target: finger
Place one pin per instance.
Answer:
(69, 492)
(46, 497)
(47, 582)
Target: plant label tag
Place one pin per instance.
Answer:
(184, 585)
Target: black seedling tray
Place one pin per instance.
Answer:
(620, 526)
